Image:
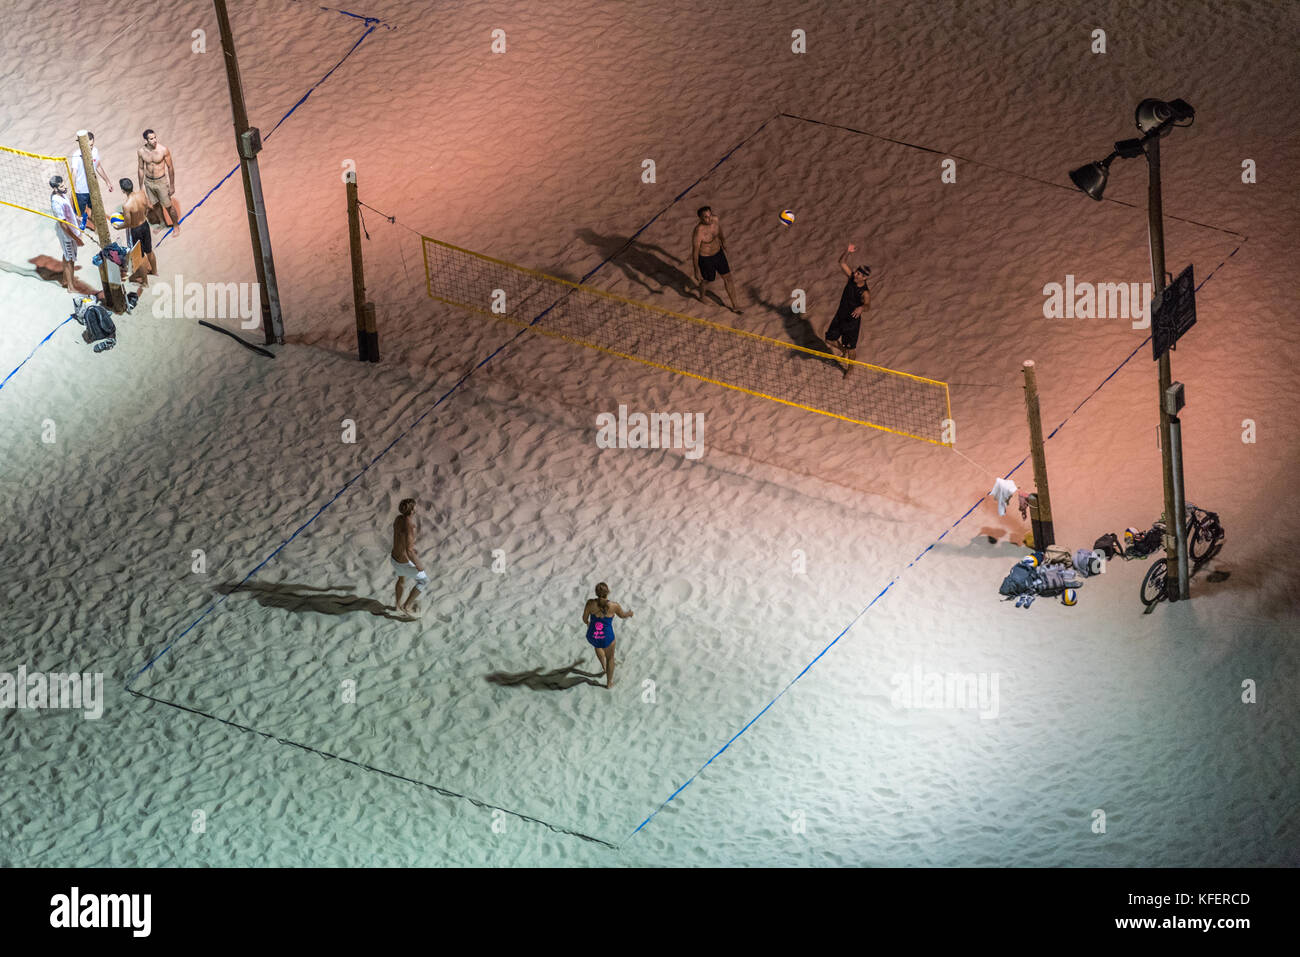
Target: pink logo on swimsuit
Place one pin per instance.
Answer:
(599, 631)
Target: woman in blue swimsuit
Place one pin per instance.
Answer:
(598, 616)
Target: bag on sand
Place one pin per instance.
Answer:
(1141, 544)
(1088, 562)
(99, 324)
(1019, 582)
(1056, 555)
(1108, 545)
(1052, 580)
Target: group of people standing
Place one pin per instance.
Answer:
(709, 260)
(597, 614)
(156, 175)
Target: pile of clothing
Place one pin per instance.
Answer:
(1055, 572)
(1059, 571)
(98, 322)
(114, 254)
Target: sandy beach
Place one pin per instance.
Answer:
(800, 561)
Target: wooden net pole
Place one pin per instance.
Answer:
(1044, 533)
(113, 292)
(364, 325)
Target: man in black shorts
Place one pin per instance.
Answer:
(709, 255)
(135, 215)
(842, 333)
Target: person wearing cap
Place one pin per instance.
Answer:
(842, 334)
(64, 218)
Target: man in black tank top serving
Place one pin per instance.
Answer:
(842, 333)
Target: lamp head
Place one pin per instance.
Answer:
(1092, 178)
(1150, 114)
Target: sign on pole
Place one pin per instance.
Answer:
(1173, 312)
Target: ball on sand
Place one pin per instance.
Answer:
(787, 217)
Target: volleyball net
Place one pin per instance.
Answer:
(25, 180)
(732, 358)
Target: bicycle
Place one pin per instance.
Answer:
(1205, 537)
(1156, 583)
(1205, 534)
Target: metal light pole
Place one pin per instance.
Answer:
(248, 140)
(1155, 119)
(1175, 550)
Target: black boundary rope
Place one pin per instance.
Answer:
(1001, 169)
(370, 767)
(243, 342)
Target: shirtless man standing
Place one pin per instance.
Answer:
(403, 558)
(135, 214)
(158, 178)
(708, 253)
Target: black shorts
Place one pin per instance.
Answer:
(844, 330)
(715, 265)
(142, 235)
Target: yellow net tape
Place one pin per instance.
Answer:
(25, 181)
(733, 358)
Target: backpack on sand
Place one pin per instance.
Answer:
(1108, 545)
(1019, 582)
(98, 321)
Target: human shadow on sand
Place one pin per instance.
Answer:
(560, 679)
(640, 262)
(326, 601)
(798, 331)
(51, 270)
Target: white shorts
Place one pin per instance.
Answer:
(69, 248)
(408, 570)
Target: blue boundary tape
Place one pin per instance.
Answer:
(893, 580)
(358, 16)
(301, 100)
(47, 338)
(371, 24)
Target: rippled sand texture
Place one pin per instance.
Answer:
(180, 440)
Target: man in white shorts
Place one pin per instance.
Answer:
(403, 558)
(81, 186)
(64, 228)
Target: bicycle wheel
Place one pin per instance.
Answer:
(1153, 586)
(1204, 540)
